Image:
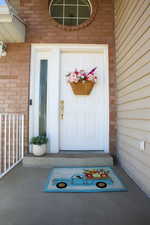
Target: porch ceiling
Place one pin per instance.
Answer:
(12, 28)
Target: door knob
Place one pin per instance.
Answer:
(62, 109)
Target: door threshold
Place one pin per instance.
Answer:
(81, 152)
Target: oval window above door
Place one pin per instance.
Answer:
(71, 13)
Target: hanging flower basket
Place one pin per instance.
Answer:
(82, 87)
(81, 82)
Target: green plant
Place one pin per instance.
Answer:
(39, 140)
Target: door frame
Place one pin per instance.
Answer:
(44, 51)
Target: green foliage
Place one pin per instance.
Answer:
(39, 140)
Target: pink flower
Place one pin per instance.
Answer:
(81, 75)
(73, 77)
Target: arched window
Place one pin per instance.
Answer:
(70, 12)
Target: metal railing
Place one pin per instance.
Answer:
(11, 141)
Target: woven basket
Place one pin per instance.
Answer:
(82, 87)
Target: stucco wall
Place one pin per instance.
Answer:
(41, 29)
(132, 34)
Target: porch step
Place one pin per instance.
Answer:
(63, 160)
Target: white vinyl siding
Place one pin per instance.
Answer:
(132, 35)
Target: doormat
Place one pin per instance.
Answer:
(84, 179)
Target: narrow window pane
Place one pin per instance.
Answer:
(43, 97)
(70, 22)
(83, 2)
(57, 11)
(58, 2)
(84, 11)
(70, 2)
(71, 11)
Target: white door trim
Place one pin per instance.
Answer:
(43, 51)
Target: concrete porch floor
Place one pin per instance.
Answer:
(22, 202)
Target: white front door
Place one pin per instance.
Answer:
(85, 123)
(82, 126)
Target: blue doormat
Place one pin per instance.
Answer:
(84, 179)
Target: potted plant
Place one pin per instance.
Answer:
(39, 145)
(82, 82)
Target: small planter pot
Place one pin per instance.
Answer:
(39, 150)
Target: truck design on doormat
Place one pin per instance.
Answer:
(98, 177)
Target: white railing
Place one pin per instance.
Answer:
(11, 141)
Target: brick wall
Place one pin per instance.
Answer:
(41, 29)
(14, 82)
